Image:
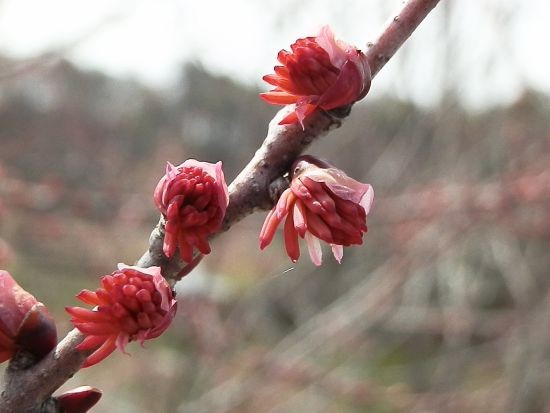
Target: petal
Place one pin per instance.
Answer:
(337, 53)
(202, 245)
(283, 56)
(284, 204)
(303, 79)
(269, 228)
(101, 353)
(318, 227)
(186, 249)
(89, 297)
(299, 218)
(223, 192)
(152, 271)
(302, 111)
(314, 248)
(171, 171)
(169, 245)
(167, 319)
(158, 195)
(289, 119)
(319, 191)
(338, 252)
(291, 239)
(299, 189)
(346, 89)
(299, 114)
(92, 342)
(165, 291)
(279, 97)
(95, 328)
(272, 79)
(281, 71)
(367, 199)
(339, 183)
(122, 341)
(84, 314)
(362, 64)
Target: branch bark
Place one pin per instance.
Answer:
(255, 188)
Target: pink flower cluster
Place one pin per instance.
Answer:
(319, 72)
(193, 198)
(131, 304)
(322, 203)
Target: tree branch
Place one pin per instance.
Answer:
(256, 187)
(398, 29)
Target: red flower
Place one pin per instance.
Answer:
(25, 323)
(193, 198)
(320, 72)
(132, 304)
(322, 203)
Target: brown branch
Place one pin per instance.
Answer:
(25, 390)
(254, 188)
(398, 29)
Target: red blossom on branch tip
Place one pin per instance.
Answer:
(322, 203)
(25, 323)
(319, 72)
(193, 198)
(132, 304)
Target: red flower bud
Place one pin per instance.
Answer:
(79, 400)
(322, 203)
(131, 304)
(25, 323)
(193, 198)
(320, 72)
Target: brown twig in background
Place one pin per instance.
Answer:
(25, 390)
(362, 308)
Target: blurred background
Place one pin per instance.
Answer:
(446, 306)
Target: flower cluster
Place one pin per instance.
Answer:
(131, 304)
(319, 72)
(322, 203)
(25, 323)
(192, 198)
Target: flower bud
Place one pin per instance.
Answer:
(79, 400)
(193, 198)
(25, 323)
(131, 304)
(322, 203)
(319, 72)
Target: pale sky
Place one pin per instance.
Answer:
(496, 45)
